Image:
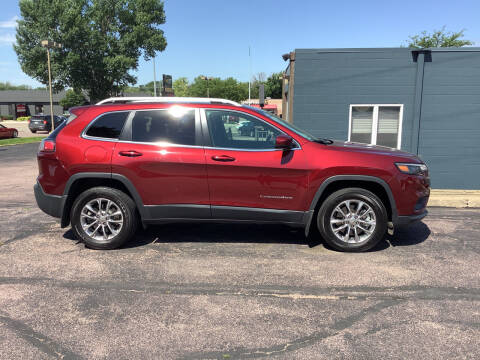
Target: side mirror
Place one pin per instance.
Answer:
(284, 142)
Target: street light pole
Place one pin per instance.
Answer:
(154, 78)
(206, 78)
(249, 77)
(48, 44)
(50, 88)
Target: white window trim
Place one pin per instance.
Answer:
(375, 122)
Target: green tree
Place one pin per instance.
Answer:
(72, 98)
(227, 89)
(180, 87)
(230, 89)
(7, 86)
(102, 41)
(257, 80)
(438, 38)
(150, 88)
(198, 87)
(145, 88)
(273, 86)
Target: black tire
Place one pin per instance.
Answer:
(122, 201)
(358, 195)
(33, 131)
(15, 134)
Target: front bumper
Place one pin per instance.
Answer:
(410, 219)
(49, 204)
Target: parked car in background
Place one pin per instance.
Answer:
(110, 167)
(7, 133)
(44, 122)
(247, 128)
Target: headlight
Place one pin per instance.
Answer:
(412, 169)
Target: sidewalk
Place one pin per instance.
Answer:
(455, 198)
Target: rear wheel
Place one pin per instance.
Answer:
(15, 134)
(33, 131)
(103, 218)
(352, 219)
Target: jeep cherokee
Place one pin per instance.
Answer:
(129, 161)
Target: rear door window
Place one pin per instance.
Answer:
(108, 126)
(175, 126)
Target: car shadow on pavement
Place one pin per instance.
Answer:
(408, 236)
(254, 233)
(219, 233)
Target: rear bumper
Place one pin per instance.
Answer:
(39, 127)
(410, 219)
(49, 204)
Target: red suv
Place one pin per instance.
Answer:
(112, 166)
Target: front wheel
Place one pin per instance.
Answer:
(103, 218)
(15, 134)
(352, 219)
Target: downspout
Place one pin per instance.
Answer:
(419, 58)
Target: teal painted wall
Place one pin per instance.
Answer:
(441, 98)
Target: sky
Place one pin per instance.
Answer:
(212, 37)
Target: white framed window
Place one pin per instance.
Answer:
(376, 124)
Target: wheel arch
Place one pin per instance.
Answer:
(83, 181)
(374, 184)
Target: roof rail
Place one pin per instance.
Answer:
(166, 99)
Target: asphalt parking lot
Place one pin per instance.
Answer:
(231, 291)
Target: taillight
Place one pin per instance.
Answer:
(47, 145)
(45, 122)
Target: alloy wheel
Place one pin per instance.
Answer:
(101, 219)
(353, 221)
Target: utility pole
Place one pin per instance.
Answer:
(154, 78)
(49, 44)
(249, 77)
(206, 78)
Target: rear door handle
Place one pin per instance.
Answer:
(130, 153)
(223, 158)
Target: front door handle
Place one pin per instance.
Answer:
(223, 158)
(130, 153)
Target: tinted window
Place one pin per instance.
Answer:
(108, 126)
(175, 125)
(230, 129)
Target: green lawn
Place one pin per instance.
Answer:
(25, 140)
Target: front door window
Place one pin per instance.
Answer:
(230, 129)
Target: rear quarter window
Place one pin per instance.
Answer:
(108, 126)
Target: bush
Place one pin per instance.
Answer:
(23, 118)
(6, 117)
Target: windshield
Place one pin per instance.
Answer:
(284, 123)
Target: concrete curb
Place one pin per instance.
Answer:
(455, 198)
